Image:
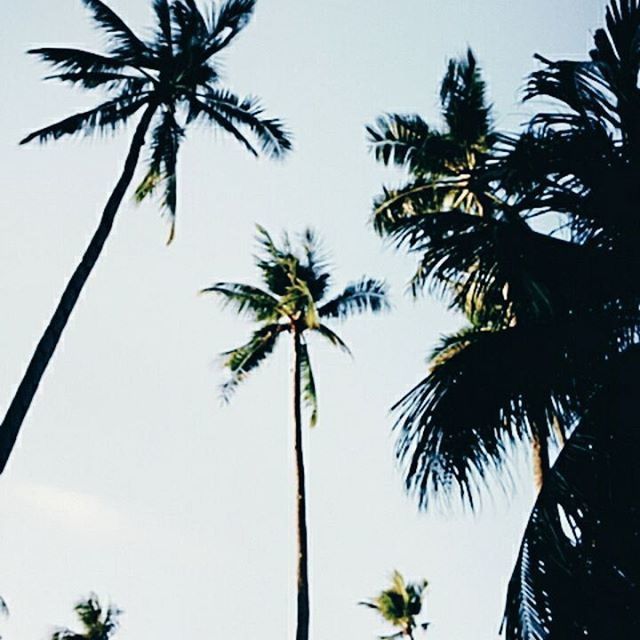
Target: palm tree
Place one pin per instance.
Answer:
(553, 342)
(97, 622)
(173, 79)
(400, 605)
(294, 302)
(451, 173)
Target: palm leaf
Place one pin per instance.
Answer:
(107, 116)
(309, 392)
(244, 359)
(123, 41)
(333, 338)
(359, 297)
(245, 299)
(223, 106)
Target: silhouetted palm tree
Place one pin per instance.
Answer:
(97, 622)
(451, 175)
(174, 79)
(400, 605)
(554, 342)
(294, 302)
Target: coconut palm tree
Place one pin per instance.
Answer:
(173, 80)
(554, 339)
(451, 178)
(400, 605)
(97, 622)
(295, 302)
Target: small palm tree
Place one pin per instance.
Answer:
(293, 302)
(400, 605)
(173, 78)
(97, 622)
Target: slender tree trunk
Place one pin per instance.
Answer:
(302, 626)
(37, 366)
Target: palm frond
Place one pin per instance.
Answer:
(244, 359)
(487, 390)
(70, 60)
(464, 103)
(333, 338)
(244, 299)
(226, 22)
(230, 112)
(123, 42)
(107, 116)
(359, 297)
(165, 144)
(309, 392)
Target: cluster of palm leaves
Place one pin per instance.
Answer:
(98, 622)
(400, 605)
(531, 236)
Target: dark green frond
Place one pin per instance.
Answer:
(309, 393)
(333, 338)
(244, 299)
(464, 103)
(226, 22)
(165, 144)
(108, 116)
(68, 60)
(123, 42)
(230, 112)
(486, 390)
(244, 359)
(359, 297)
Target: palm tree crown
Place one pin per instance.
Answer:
(400, 605)
(174, 78)
(97, 622)
(295, 300)
(174, 74)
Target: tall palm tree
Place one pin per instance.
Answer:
(400, 605)
(555, 340)
(294, 301)
(173, 80)
(450, 173)
(97, 622)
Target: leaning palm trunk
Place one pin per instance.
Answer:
(44, 351)
(302, 626)
(540, 454)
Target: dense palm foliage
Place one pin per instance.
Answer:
(400, 605)
(97, 622)
(294, 302)
(548, 278)
(451, 193)
(173, 78)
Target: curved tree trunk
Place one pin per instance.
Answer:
(302, 626)
(37, 366)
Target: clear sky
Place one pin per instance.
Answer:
(130, 478)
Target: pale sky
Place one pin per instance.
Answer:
(130, 478)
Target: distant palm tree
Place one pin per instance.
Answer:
(174, 78)
(294, 302)
(97, 622)
(400, 605)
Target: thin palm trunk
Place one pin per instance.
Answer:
(44, 351)
(302, 627)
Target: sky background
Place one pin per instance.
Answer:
(130, 478)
